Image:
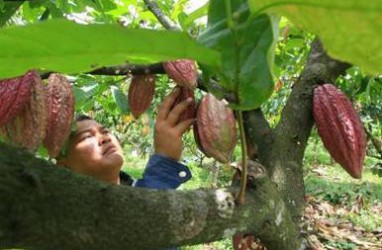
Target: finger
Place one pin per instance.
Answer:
(175, 113)
(183, 126)
(165, 107)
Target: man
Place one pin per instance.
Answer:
(94, 151)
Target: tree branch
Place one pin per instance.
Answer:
(292, 133)
(156, 68)
(123, 70)
(158, 13)
(44, 202)
(376, 143)
(281, 150)
(296, 117)
(259, 134)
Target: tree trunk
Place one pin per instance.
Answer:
(281, 150)
(47, 207)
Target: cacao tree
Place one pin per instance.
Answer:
(235, 55)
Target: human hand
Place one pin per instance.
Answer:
(168, 130)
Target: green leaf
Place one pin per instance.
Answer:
(105, 5)
(198, 13)
(83, 95)
(246, 44)
(32, 11)
(63, 46)
(120, 99)
(7, 9)
(80, 97)
(349, 29)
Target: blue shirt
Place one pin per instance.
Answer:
(161, 172)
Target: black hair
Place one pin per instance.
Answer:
(82, 117)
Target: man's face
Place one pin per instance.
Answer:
(94, 151)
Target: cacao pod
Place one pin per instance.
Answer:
(183, 72)
(340, 128)
(215, 128)
(60, 113)
(185, 93)
(141, 93)
(14, 94)
(246, 242)
(27, 129)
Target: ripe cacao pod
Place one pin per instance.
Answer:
(27, 129)
(183, 72)
(340, 128)
(185, 93)
(215, 128)
(60, 113)
(141, 93)
(14, 94)
(246, 242)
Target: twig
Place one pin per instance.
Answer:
(158, 13)
(240, 198)
(157, 68)
(376, 143)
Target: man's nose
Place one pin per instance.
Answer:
(104, 138)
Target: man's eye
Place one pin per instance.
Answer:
(84, 137)
(105, 131)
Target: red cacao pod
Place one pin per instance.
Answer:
(141, 93)
(185, 93)
(215, 131)
(60, 112)
(246, 242)
(27, 129)
(340, 128)
(183, 72)
(14, 94)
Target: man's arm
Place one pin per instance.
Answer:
(163, 173)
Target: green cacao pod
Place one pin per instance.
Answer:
(340, 128)
(183, 72)
(60, 113)
(27, 129)
(14, 94)
(141, 93)
(215, 128)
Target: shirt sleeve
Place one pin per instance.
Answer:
(162, 172)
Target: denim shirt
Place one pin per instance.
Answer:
(161, 172)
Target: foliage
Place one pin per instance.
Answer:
(246, 44)
(83, 48)
(336, 21)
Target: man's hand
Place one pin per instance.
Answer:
(168, 131)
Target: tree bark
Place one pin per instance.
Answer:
(47, 207)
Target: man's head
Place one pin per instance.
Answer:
(93, 151)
